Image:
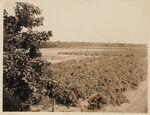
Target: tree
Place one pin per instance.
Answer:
(26, 17)
(24, 71)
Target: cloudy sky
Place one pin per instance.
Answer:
(126, 21)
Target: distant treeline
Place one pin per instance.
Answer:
(59, 44)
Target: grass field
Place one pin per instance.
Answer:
(92, 79)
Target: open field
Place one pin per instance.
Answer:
(99, 79)
(56, 55)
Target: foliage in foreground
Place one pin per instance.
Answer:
(10, 102)
(99, 80)
(24, 71)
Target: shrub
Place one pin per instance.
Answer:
(24, 71)
(11, 102)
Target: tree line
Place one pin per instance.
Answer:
(60, 44)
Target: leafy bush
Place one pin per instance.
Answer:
(10, 102)
(25, 73)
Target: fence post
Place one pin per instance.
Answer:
(53, 106)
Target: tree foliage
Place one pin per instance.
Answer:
(24, 71)
(26, 18)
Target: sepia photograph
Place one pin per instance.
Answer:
(75, 56)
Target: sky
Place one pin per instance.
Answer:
(121, 21)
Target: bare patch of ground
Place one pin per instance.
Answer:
(52, 54)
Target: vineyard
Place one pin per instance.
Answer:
(99, 80)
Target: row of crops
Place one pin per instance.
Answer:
(100, 80)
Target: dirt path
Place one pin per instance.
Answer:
(138, 101)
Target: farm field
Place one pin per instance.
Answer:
(99, 79)
(55, 55)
